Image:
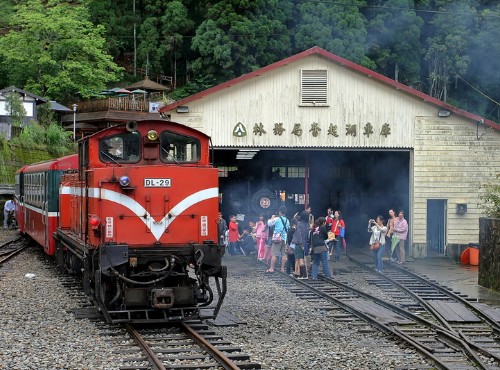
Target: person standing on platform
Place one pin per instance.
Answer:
(222, 228)
(401, 230)
(319, 249)
(261, 231)
(379, 232)
(300, 240)
(234, 236)
(290, 247)
(391, 222)
(308, 249)
(338, 228)
(281, 226)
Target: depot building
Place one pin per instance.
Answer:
(318, 129)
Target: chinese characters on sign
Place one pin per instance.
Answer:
(351, 129)
(297, 130)
(332, 130)
(258, 129)
(368, 129)
(279, 129)
(315, 129)
(386, 130)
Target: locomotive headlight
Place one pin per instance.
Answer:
(152, 135)
(124, 181)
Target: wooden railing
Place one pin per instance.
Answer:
(136, 103)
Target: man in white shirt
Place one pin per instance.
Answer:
(8, 209)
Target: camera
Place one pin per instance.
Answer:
(372, 221)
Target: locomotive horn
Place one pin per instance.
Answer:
(131, 126)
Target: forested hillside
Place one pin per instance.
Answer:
(61, 49)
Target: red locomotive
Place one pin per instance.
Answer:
(134, 215)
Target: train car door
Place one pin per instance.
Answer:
(45, 208)
(436, 225)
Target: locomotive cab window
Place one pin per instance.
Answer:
(177, 148)
(121, 148)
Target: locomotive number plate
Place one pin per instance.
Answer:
(157, 183)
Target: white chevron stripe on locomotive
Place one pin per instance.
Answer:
(157, 227)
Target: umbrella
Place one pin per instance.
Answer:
(138, 91)
(148, 85)
(394, 241)
(120, 91)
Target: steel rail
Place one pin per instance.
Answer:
(9, 254)
(222, 359)
(383, 327)
(452, 335)
(145, 348)
(448, 329)
(494, 324)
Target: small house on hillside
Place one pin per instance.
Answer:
(30, 103)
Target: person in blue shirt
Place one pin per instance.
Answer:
(281, 226)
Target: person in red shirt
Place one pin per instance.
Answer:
(234, 236)
(337, 226)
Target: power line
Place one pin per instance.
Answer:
(476, 89)
(364, 6)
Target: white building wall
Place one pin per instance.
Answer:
(448, 161)
(452, 159)
(275, 96)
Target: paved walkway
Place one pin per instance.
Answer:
(462, 278)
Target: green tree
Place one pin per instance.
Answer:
(239, 36)
(54, 50)
(336, 27)
(14, 106)
(176, 23)
(117, 18)
(484, 69)
(447, 51)
(394, 40)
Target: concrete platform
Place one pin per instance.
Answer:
(462, 278)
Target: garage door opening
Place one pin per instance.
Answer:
(361, 184)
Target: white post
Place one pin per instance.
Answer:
(74, 122)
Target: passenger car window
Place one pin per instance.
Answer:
(176, 148)
(121, 148)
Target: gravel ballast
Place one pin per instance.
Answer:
(39, 330)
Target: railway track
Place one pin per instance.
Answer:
(11, 248)
(440, 324)
(186, 345)
(189, 345)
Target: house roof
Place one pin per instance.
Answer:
(38, 99)
(344, 62)
(55, 106)
(147, 85)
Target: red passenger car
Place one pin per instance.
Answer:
(37, 193)
(136, 218)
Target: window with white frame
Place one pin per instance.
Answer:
(314, 87)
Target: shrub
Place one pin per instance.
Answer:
(57, 140)
(491, 198)
(52, 138)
